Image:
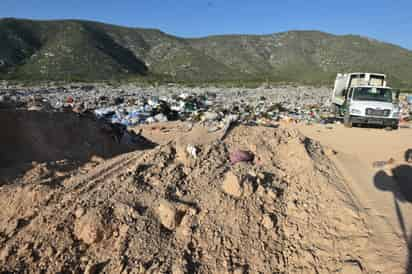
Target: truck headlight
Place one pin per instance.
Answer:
(355, 111)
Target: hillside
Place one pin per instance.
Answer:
(84, 50)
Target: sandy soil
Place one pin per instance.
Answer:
(384, 192)
(368, 144)
(296, 206)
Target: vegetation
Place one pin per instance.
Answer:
(73, 50)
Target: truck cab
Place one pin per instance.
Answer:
(371, 105)
(364, 98)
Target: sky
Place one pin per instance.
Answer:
(385, 20)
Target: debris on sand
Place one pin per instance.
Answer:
(408, 156)
(192, 150)
(379, 164)
(240, 156)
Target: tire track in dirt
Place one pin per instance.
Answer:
(85, 183)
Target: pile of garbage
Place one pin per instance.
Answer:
(405, 103)
(130, 105)
(154, 109)
(207, 108)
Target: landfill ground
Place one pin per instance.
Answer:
(293, 194)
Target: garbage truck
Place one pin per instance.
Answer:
(365, 98)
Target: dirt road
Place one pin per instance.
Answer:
(377, 174)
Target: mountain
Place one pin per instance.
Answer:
(84, 50)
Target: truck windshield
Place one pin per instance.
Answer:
(372, 94)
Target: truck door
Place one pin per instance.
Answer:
(349, 95)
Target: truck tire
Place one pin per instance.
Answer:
(395, 126)
(347, 121)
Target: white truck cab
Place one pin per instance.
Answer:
(364, 98)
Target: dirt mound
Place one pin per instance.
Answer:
(37, 136)
(183, 208)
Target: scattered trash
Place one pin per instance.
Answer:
(215, 108)
(69, 100)
(379, 164)
(408, 156)
(228, 124)
(210, 116)
(192, 151)
(160, 117)
(240, 156)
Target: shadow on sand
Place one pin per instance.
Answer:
(47, 137)
(400, 184)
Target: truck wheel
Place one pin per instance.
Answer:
(347, 121)
(395, 126)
